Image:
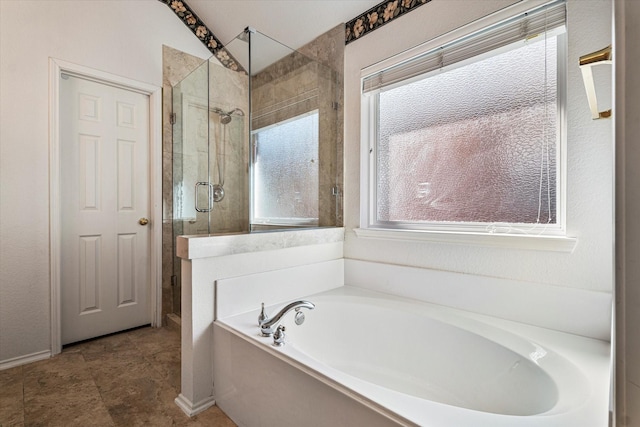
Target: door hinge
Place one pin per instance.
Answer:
(335, 105)
(173, 117)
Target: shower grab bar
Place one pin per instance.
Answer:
(210, 192)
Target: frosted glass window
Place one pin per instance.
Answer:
(477, 143)
(285, 172)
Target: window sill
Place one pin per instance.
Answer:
(508, 241)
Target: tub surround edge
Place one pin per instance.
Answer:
(240, 294)
(256, 345)
(576, 311)
(195, 247)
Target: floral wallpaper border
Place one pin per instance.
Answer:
(359, 26)
(202, 32)
(378, 16)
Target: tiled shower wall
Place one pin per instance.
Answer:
(308, 79)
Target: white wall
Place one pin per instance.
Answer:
(589, 146)
(122, 38)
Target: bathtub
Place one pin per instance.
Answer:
(365, 358)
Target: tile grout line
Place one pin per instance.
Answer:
(165, 381)
(95, 384)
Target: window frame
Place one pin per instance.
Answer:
(536, 236)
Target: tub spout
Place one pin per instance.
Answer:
(269, 325)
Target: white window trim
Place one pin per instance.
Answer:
(554, 239)
(507, 241)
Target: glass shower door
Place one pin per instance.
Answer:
(191, 184)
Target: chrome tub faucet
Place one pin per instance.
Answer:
(269, 325)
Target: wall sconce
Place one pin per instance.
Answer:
(600, 57)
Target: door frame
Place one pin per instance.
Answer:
(56, 67)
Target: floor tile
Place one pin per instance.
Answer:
(150, 341)
(61, 392)
(127, 379)
(167, 364)
(11, 397)
(96, 349)
(63, 371)
(138, 402)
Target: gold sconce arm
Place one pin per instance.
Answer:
(600, 57)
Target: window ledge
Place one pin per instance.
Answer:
(510, 241)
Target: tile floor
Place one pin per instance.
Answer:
(128, 379)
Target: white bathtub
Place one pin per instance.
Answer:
(408, 363)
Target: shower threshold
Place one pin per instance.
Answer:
(174, 322)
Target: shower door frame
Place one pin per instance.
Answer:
(56, 67)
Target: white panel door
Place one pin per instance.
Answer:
(104, 164)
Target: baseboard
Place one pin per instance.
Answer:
(190, 409)
(23, 360)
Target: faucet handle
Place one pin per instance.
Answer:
(262, 317)
(278, 336)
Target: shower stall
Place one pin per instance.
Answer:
(255, 148)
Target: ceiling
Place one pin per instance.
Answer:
(291, 22)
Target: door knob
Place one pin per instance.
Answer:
(143, 221)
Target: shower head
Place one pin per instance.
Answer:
(225, 119)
